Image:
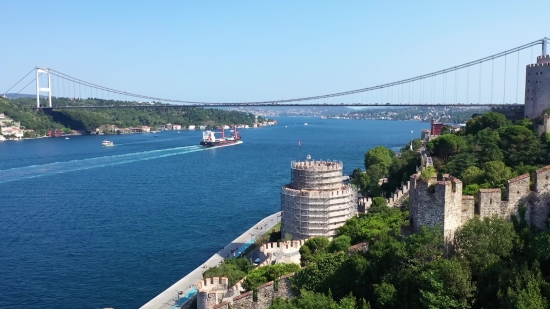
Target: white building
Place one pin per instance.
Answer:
(191, 127)
(13, 131)
(176, 127)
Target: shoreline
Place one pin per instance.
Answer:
(167, 298)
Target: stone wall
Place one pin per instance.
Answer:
(436, 203)
(211, 291)
(265, 295)
(444, 205)
(395, 200)
(537, 87)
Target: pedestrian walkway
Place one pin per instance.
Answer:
(172, 297)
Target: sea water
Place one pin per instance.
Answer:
(85, 226)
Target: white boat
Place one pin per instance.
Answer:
(66, 138)
(107, 144)
(2, 138)
(305, 124)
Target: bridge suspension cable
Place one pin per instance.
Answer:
(332, 95)
(424, 95)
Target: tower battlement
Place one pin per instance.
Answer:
(543, 59)
(436, 203)
(440, 203)
(537, 88)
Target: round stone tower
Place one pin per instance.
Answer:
(537, 87)
(316, 202)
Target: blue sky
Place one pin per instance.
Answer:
(256, 50)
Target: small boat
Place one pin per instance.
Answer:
(67, 138)
(305, 123)
(107, 144)
(178, 132)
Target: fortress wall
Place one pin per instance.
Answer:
(365, 203)
(426, 208)
(542, 180)
(468, 208)
(264, 296)
(453, 205)
(489, 202)
(517, 188)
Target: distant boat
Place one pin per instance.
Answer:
(305, 123)
(412, 131)
(107, 144)
(67, 138)
(178, 132)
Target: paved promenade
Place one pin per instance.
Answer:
(168, 298)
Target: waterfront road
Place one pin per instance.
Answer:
(186, 285)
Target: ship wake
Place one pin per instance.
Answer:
(33, 171)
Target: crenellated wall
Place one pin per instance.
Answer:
(265, 295)
(537, 87)
(441, 203)
(395, 200)
(436, 202)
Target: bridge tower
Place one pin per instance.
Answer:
(537, 85)
(39, 89)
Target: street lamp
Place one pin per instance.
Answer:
(178, 295)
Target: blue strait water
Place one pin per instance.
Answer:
(82, 226)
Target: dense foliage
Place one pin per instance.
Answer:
(30, 119)
(495, 264)
(267, 273)
(492, 263)
(380, 163)
(489, 151)
(233, 269)
(89, 119)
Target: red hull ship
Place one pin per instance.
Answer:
(209, 138)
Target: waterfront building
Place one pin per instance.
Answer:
(316, 202)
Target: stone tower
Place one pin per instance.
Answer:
(436, 203)
(316, 202)
(537, 87)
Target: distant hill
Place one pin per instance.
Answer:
(293, 110)
(22, 95)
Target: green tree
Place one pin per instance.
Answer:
(459, 163)
(485, 242)
(340, 243)
(524, 289)
(486, 146)
(379, 155)
(312, 247)
(446, 145)
(520, 145)
(446, 284)
(471, 175)
(496, 173)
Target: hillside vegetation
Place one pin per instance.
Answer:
(22, 110)
(492, 262)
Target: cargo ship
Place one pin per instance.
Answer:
(209, 138)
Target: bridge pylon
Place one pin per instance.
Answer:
(42, 89)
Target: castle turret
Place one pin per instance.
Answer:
(436, 203)
(537, 87)
(316, 202)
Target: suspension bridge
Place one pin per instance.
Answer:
(492, 81)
